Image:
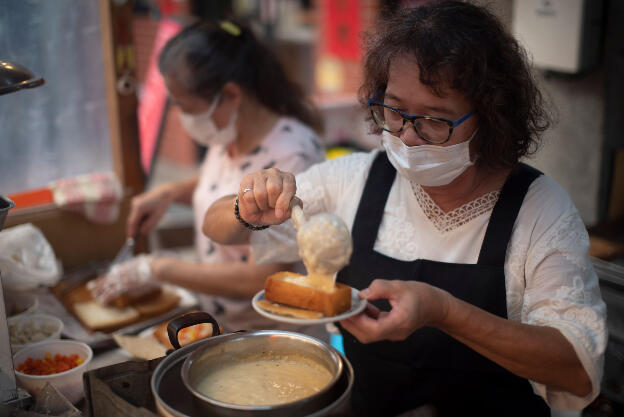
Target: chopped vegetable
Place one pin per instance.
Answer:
(49, 364)
(30, 331)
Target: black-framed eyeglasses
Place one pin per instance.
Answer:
(432, 129)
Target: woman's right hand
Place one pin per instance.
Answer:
(266, 197)
(146, 209)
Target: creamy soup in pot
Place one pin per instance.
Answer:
(263, 380)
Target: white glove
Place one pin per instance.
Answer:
(133, 278)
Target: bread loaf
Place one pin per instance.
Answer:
(98, 317)
(137, 295)
(163, 301)
(298, 290)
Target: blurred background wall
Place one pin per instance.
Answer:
(573, 151)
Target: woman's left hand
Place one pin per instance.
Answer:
(134, 276)
(414, 305)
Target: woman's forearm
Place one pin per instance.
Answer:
(181, 191)
(222, 226)
(539, 353)
(230, 279)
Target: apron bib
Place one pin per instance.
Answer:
(430, 367)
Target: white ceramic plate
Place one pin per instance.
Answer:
(357, 306)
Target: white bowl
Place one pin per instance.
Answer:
(27, 329)
(69, 383)
(19, 303)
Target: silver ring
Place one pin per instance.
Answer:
(245, 190)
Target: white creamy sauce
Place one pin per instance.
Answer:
(264, 381)
(324, 244)
(299, 279)
(321, 282)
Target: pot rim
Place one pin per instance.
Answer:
(335, 357)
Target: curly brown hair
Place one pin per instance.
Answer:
(465, 47)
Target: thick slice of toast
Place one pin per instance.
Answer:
(296, 290)
(98, 317)
(164, 301)
(141, 294)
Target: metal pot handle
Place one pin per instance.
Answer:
(188, 320)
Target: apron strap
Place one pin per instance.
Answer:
(500, 226)
(370, 210)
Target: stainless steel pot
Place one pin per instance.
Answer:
(174, 380)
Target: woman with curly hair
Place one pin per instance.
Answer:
(485, 299)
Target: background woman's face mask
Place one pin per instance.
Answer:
(428, 165)
(203, 129)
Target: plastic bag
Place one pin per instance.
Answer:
(26, 259)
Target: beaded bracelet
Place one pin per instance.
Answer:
(243, 222)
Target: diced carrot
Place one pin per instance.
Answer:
(49, 364)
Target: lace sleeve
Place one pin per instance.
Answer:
(562, 291)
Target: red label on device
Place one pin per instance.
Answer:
(341, 26)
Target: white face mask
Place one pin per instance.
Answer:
(428, 165)
(203, 129)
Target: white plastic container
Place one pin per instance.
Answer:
(27, 329)
(20, 303)
(69, 383)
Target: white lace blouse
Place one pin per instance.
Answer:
(549, 277)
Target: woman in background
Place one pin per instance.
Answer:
(235, 99)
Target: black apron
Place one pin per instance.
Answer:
(430, 367)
